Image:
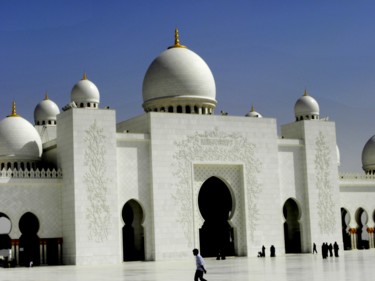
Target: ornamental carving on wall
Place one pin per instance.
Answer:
(325, 203)
(96, 182)
(214, 147)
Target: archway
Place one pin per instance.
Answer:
(29, 240)
(215, 205)
(5, 241)
(292, 231)
(345, 220)
(132, 232)
(5, 228)
(361, 218)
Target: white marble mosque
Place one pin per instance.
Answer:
(77, 188)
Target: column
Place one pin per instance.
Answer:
(370, 231)
(353, 237)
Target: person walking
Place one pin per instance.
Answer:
(330, 248)
(200, 266)
(272, 251)
(314, 249)
(336, 249)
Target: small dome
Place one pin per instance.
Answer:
(19, 139)
(45, 112)
(85, 93)
(368, 155)
(253, 113)
(178, 77)
(306, 108)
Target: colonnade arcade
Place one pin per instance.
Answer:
(358, 229)
(29, 249)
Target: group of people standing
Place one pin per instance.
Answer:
(262, 254)
(328, 250)
(200, 267)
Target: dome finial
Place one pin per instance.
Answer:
(46, 96)
(305, 93)
(14, 113)
(176, 40)
(84, 76)
(252, 108)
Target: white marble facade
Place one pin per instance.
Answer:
(177, 177)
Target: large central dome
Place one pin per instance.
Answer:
(179, 80)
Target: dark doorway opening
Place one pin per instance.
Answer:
(215, 205)
(5, 228)
(345, 220)
(5, 241)
(29, 252)
(362, 234)
(132, 232)
(292, 231)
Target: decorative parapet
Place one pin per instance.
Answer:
(354, 176)
(31, 174)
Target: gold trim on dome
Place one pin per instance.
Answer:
(14, 113)
(176, 41)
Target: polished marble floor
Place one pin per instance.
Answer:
(351, 265)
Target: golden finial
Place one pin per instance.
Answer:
(14, 113)
(176, 40)
(46, 96)
(84, 76)
(305, 93)
(252, 108)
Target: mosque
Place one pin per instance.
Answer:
(78, 188)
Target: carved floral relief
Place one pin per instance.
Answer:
(325, 203)
(96, 182)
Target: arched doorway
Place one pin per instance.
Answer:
(5, 228)
(292, 231)
(215, 205)
(132, 232)
(345, 220)
(361, 218)
(29, 240)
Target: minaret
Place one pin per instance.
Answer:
(86, 152)
(318, 165)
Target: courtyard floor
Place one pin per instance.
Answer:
(351, 265)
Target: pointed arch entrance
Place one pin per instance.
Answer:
(361, 218)
(345, 220)
(215, 206)
(132, 231)
(5, 228)
(29, 240)
(292, 231)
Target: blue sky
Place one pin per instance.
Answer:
(262, 53)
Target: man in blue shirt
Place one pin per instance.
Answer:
(200, 266)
